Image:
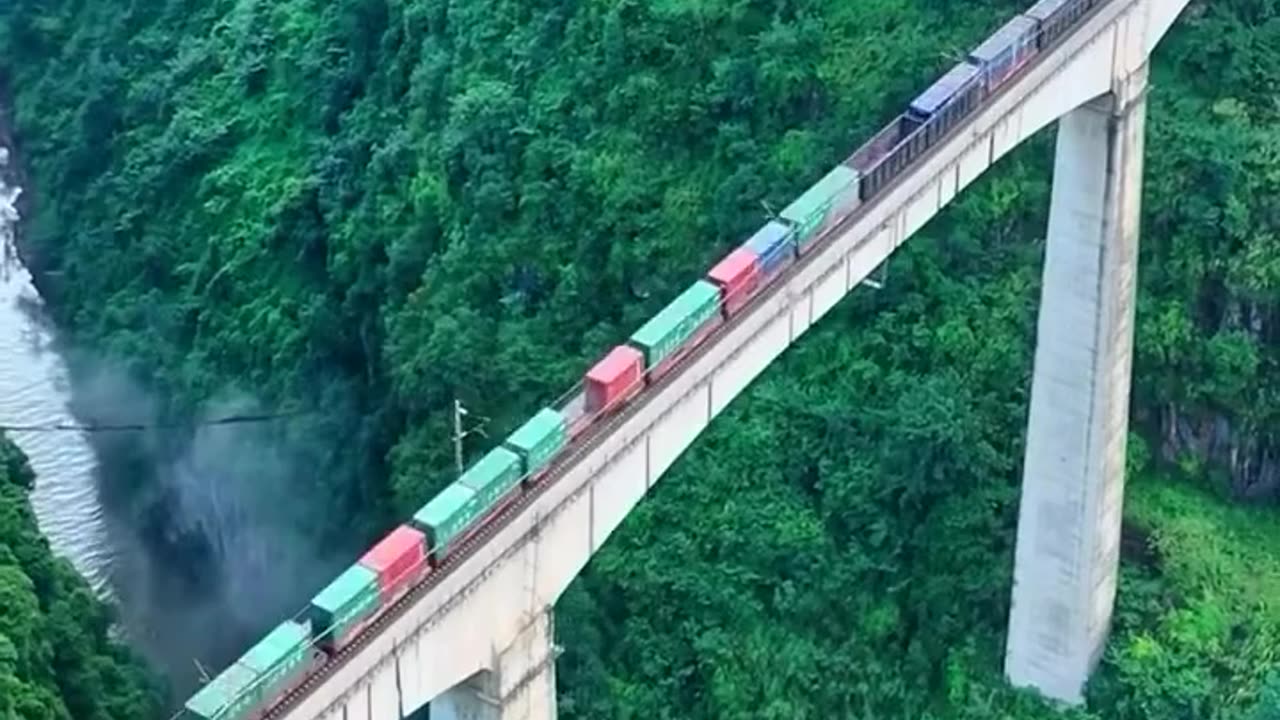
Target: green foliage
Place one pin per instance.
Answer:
(373, 207)
(1196, 632)
(56, 659)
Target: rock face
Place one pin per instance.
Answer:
(1251, 459)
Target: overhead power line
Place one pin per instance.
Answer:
(140, 427)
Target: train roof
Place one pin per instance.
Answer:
(1045, 9)
(215, 700)
(1001, 39)
(613, 365)
(277, 647)
(931, 100)
(345, 588)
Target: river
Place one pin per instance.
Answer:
(159, 617)
(34, 392)
(218, 492)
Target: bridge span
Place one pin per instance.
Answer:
(476, 641)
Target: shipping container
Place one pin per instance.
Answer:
(227, 697)
(1007, 50)
(738, 276)
(929, 102)
(492, 475)
(280, 659)
(343, 605)
(446, 515)
(945, 104)
(618, 376)
(398, 559)
(665, 333)
(836, 191)
(771, 245)
(539, 439)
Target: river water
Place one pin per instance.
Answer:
(34, 393)
(181, 620)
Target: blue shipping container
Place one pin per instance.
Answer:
(771, 244)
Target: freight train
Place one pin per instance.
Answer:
(300, 647)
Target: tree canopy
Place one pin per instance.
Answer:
(57, 658)
(370, 208)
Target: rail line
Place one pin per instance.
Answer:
(593, 437)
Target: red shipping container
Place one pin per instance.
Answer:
(615, 377)
(738, 276)
(397, 559)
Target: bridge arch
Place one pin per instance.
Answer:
(481, 634)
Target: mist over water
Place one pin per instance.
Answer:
(217, 551)
(234, 488)
(197, 534)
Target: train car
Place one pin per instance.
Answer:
(445, 517)
(1006, 51)
(281, 660)
(344, 607)
(677, 328)
(883, 157)
(943, 104)
(1056, 17)
(537, 441)
(492, 476)
(826, 200)
(252, 685)
(773, 247)
(617, 377)
(908, 136)
(400, 560)
(738, 277)
(229, 696)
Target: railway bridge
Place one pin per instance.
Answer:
(477, 641)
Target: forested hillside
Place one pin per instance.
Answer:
(56, 660)
(365, 209)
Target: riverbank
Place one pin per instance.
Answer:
(137, 513)
(12, 171)
(45, 606)
(35, 397)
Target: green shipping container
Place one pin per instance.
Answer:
(350, 598)
(493, 475)
(664, 333)
(808, 211)
(279, 657)
(448, 514)
(225, 697)
(539, 439)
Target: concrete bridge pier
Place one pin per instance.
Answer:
(1068, 547)
(522, 685)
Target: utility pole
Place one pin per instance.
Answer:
(460, 412)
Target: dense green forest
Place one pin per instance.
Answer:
(57, 660)
(364, 209)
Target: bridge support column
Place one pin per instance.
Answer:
(1068, 546)
(522, 685)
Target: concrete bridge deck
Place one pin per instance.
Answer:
(477, 639)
